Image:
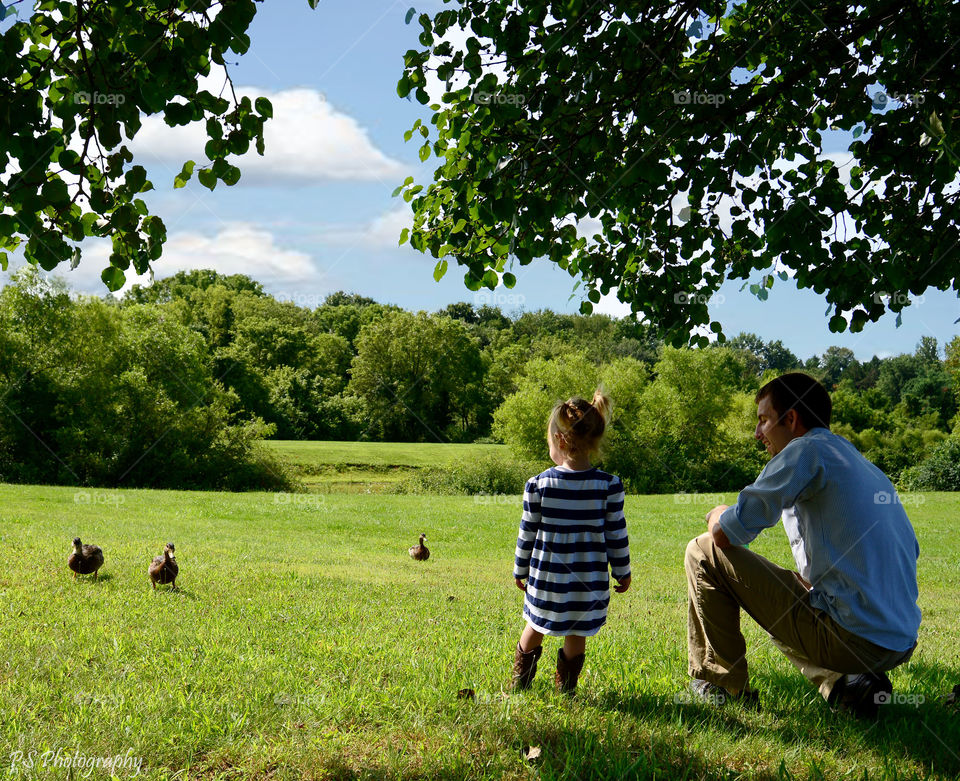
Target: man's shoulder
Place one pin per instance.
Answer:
(818, 440)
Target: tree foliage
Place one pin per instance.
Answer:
(683, 430)
(420, 376)
(695, 134)
(76, 80)
(96, 394)
(176, 384)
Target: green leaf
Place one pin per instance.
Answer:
(439, 270)
(403, 236)
(412, 12)
(183, 177)
(113, 278)
(509, 280)
(264, 107)
(231, 176)
(207, 178)
(136, 178)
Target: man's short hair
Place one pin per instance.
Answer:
(799, 391)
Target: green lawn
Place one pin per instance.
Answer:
(368, 467)
(304, 643)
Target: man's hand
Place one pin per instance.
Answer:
(622, 585)
(521, 585)
(713, 526)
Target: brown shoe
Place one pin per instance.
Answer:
(525, 667)
(568, 671)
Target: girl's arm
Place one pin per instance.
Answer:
(615, 534)
(529, 524)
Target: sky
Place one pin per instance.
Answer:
(316, 214)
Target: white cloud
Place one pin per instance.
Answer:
(238, 248)
(382, 232)
(611, 305)
(307, 141)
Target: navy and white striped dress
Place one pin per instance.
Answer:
(571, 530)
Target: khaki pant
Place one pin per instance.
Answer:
(721, 582)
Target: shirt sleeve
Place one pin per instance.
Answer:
(529, 524)
(615, 532)
(794, 471)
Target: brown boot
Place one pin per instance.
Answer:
(525, 667)
(568, 671)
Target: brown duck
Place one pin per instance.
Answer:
(420, 551)
(85, 559)
(164, 569)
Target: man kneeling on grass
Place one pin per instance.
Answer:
(850, 613)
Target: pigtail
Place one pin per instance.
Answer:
(601, 403)
(582, 423)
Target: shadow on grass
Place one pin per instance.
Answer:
(103, 577)
(174, 593)
(916, 726)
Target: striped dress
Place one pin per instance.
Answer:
(571, 530)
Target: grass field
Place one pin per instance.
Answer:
(304, 643)
(368, 467)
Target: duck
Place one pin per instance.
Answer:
(85, 559)
(164, 569)
(420, 551)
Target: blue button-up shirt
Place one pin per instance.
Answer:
(848, 531)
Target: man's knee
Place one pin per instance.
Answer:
(697, 551)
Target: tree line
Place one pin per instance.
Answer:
(176, 383)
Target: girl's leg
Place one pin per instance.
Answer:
(570, 663)
(531, 639)
(574, 645)
(525, 659)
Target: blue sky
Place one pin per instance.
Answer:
(316, 214)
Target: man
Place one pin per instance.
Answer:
(850, 612)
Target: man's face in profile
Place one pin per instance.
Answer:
(772, 429)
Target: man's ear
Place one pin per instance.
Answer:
(792, 419)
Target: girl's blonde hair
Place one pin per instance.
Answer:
(581, 422)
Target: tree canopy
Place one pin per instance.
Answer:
(694, 137)
(76, 80)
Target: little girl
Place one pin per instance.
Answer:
(572, 528)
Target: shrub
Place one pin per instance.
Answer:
(106, 396)
(940, 471)
(487, 475)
